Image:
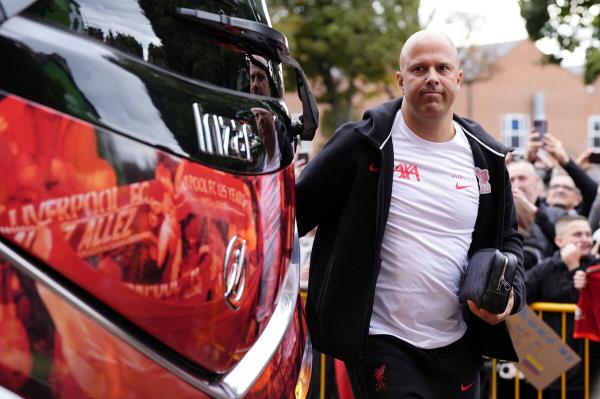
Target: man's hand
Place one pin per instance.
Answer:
(533, 145)
(579, 280)
(555, 148)
(583, 160)
(520, 197)
(489, 317)
(594, 250)
(570, 255)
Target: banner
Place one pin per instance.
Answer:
(543, 356)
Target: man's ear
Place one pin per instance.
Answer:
(460, 79)
(579, 199)
(558, 240)
(400, 80)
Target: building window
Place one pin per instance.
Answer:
(594, 131)
(515, 129)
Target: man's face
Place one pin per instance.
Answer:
(563, 193)
(259, 82)
(429, 76)
(577, 232)
(524, 179)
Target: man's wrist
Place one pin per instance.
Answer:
(572, 267)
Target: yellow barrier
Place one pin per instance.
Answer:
(539, 307)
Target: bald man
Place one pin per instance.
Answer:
(528, 190)
(400, 201)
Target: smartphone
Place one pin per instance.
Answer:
(540, 126)
(594, 157)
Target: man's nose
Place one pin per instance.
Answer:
(432, 77)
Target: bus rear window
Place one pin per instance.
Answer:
(150, 31)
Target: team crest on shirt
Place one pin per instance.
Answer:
(483, 178)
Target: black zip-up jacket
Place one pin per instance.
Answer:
(346, 192)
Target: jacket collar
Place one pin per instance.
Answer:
(376, 125)
(377, 122)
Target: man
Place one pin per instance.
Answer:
(268, 133)
(528, 192)
(559, 279)
(567, 194)
(562, 193)
(525, 181)
(270, 130)
(259, 80)
(401, 200)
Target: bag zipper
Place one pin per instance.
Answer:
(503, 281)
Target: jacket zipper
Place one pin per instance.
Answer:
(376, 258)
(503, 281)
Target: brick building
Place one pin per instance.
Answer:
(501, 97)
(501, 81)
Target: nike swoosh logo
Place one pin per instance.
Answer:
(459, 187)
(464, 388)
(373, 168)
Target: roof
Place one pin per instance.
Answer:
(476, 59)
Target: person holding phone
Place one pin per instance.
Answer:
(573, 192)
(587, 158)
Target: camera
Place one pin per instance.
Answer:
(540, 126)
(594, 157)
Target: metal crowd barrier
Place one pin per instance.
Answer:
(540, 308)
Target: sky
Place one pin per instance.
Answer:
(495, 21)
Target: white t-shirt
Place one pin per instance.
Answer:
(435, 197)
(273, 163)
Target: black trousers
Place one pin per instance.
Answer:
(396, 369)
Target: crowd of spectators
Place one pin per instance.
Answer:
(558, 207)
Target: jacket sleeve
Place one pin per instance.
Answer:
(543, 221)
(325, 182)
(585, 184)
(551, 281)
(512, 241)
(594, 217)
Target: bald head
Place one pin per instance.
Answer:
(429, 78)
(522, 166)
(426, 38)
(524, 178)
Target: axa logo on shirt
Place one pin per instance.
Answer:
(405, 171)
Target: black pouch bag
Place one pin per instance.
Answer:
(489, 279)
